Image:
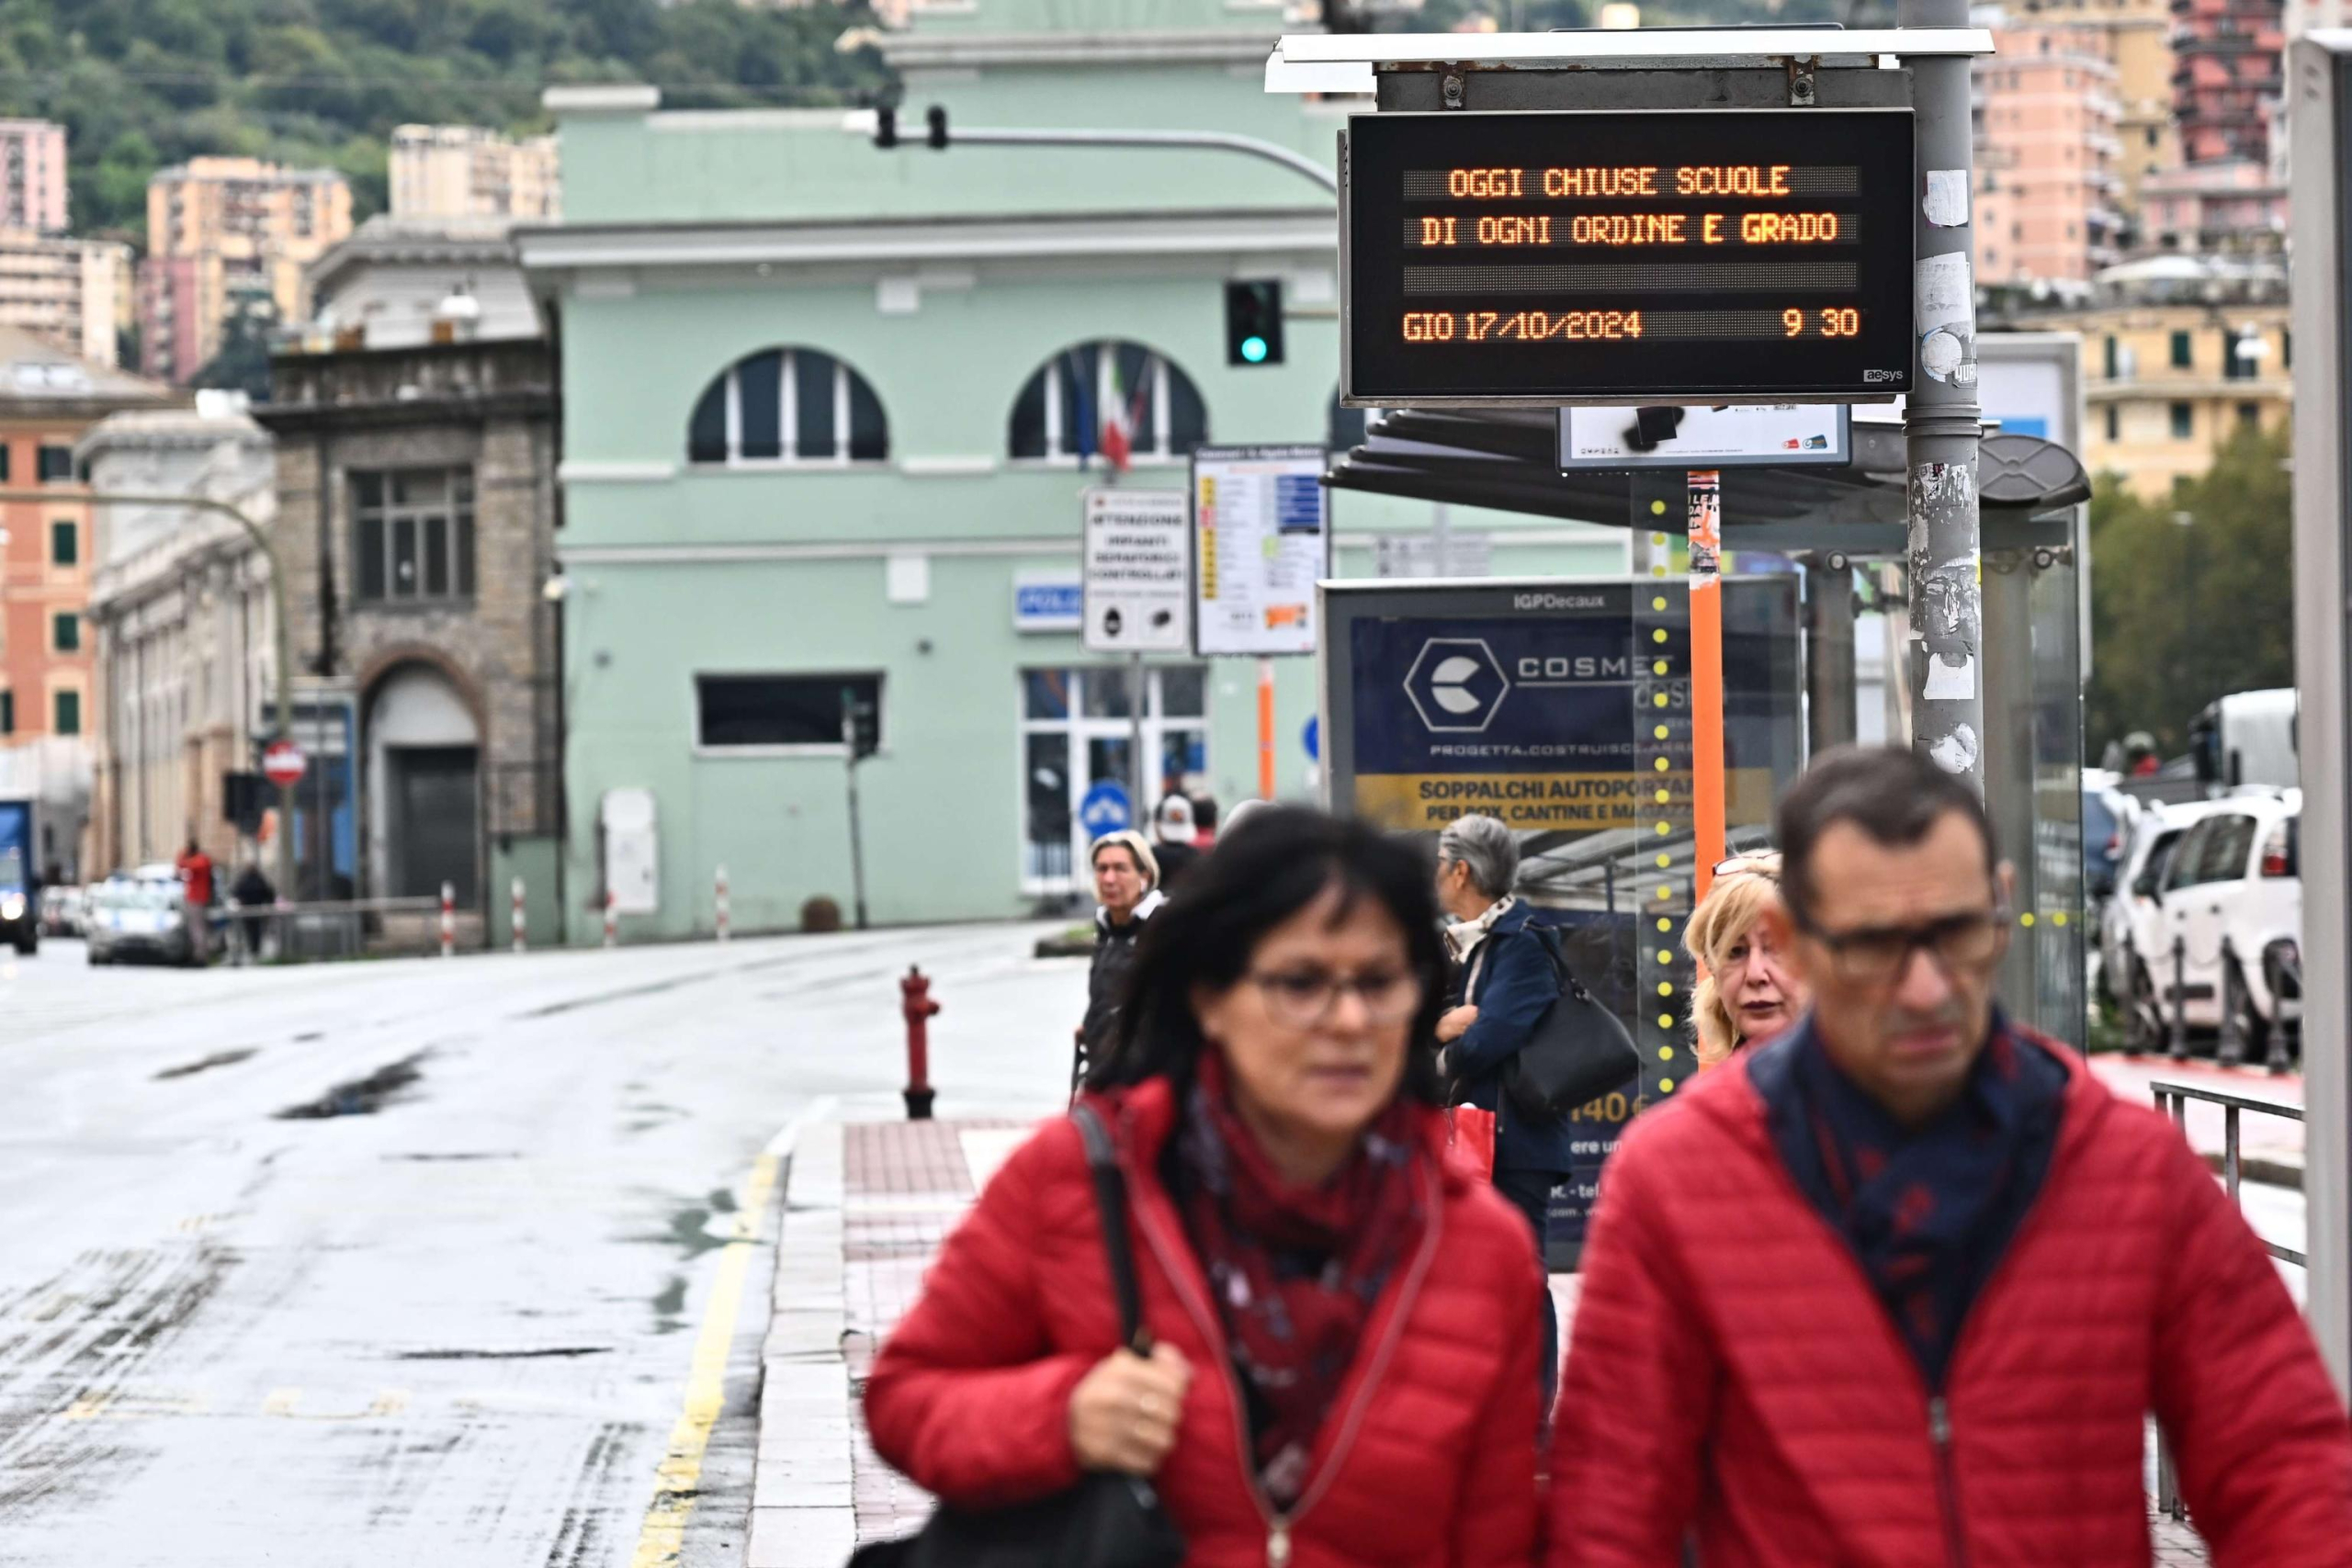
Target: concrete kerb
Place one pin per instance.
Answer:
(803, 1508)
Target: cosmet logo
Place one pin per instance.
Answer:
(1456, 684)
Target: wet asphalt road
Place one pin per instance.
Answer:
(453, 1324)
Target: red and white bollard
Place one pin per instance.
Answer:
(612, 918)
(448, 920)
(515, 920)
(719, 906)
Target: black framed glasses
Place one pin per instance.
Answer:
(1876, 955)
(1305, 998)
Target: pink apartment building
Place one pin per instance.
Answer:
(33, 176)
(2046, 157)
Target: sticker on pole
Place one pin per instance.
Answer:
(1137, 572)
(283, 763)
(1105, 808)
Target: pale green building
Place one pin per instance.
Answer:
(825, 408)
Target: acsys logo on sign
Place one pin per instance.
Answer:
(1456, 684)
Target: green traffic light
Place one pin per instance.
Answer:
(1253, 349)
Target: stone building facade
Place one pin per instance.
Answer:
(182, 630)
(415, 519)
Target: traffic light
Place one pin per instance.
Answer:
(1253, 323)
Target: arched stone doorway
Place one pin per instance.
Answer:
(425, 779)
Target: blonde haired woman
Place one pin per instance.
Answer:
(1747, 993)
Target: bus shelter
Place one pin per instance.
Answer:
(1563, 707)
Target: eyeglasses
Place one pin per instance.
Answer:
(1305, 998)
(1763, 863)
(1960, 943)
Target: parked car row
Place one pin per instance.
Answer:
(2206, 913)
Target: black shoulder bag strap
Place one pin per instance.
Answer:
(1110, 1197)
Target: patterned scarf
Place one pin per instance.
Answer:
(1294, 1271)
(1927, 1211)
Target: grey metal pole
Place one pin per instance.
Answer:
(1137, 773)
(1942, 422)
(2319, 83)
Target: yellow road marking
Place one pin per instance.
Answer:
(664, 1534)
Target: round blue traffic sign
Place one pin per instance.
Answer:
(1313, 736)
(1105, 808)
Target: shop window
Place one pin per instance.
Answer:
(65, 632)
(64, 543)
(1089, 399)
(412, 535)
(68, 712)
(785, 712)
(53, 465)
(2181, 360)
(788, 406)
(2184, 422)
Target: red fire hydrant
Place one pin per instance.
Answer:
(915, 992)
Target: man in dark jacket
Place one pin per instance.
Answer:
(1126, 881)
(1505, 982)
(1905, 1284)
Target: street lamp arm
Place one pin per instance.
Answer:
(1206, 141)
(278, 603)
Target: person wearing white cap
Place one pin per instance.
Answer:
(1171, 832)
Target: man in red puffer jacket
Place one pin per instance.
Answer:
(1903, 1286)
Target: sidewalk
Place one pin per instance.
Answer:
(865, 1206)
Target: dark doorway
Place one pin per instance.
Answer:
(434, 816)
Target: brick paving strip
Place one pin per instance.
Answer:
(866, 1207)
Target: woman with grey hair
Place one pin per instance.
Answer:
(1505, 980)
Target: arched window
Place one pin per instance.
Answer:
(788, 406)
(1104, 393)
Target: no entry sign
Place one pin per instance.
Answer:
(283, 763)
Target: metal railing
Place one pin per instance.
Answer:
(2172, 1099)
(337, 928)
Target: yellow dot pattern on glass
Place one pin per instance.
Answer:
(1657, 571)
(1664, 893)
(1664, 862)
(1659, 668)
(1658, 701)
(1664, 924)
(1659, 765)
(1666, 1085)
(1657, 509)
(1659, 603)
(1666, 1021)
(1666, 1053)
(2058, 918)
(1659, 733)
(1665, 988)
(1658, 636)
(1666, 955)
(1664, 828)
(2026, 918)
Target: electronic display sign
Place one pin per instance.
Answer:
(1689, 256)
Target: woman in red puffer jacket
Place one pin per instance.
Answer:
(1347, 1326)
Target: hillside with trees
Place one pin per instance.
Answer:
(141, 83)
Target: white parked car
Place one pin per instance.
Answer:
(2232, 898)
(140, 914)
(2130, 928)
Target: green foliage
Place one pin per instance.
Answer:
(139, 84)
(2182, 613)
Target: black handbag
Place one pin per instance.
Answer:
(1579, 1051)
(1107, 1520)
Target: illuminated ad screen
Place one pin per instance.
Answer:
(1668, 256)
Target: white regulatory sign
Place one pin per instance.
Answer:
(1786, 434)
(1136, 571)
(1261, 539)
